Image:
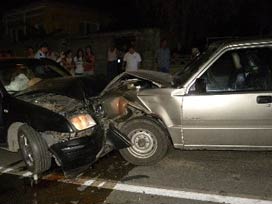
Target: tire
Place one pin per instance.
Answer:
(150, 141)
(34, 150)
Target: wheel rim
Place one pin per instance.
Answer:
(27, 150)
(144, 143)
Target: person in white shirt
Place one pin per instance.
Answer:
(132, 60)
(42, 51)
(79, 61)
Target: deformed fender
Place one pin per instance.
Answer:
(117, 139)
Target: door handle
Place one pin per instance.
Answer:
(264, 99)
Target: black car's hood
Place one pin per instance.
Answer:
(57, 103)
(79, 88)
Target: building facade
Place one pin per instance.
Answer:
(50, 18)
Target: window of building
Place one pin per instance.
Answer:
(86, 28)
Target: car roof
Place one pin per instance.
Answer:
(11, 61)
(28, 61)
(16, 60)
(233, 42)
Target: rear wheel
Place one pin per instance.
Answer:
(34, 150)
(149, 141)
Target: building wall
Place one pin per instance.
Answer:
(48, 18)
(70, 19)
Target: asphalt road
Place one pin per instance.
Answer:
(182, 177)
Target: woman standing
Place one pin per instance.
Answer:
(30, 52)
(89, 67)
(68, 62)
(79, 62)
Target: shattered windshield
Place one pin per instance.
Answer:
(19, 77)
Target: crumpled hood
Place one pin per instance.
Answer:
(79, 88)
(53, 102)
(163, 79)
(160, 79)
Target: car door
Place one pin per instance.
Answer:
(235, 109)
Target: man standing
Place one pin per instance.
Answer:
(42, 51)
(132, 60)
(163, 57)
(112, 62)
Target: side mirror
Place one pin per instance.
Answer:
(200, 86)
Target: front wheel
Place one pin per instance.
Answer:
(34, 150)
(149, 141)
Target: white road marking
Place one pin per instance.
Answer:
(85, 185)
(16, 172)
(156, 191)
(27, 174)
(101, 184)
(188, 195)
(7, 170)
(180, 194)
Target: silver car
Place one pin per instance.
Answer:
(220, 101)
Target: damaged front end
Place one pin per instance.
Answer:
(120, 97)
(76, 137)
(119, 102)
(77, 155)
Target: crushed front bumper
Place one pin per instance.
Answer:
(77, 155)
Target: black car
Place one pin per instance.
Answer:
(46, 113)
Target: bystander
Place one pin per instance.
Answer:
(132, 60)
(112, 68)
(163, 57)
(42, 52)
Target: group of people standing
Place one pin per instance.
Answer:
(132, 59)
(82, 63)
(84, 60)
(129, 61)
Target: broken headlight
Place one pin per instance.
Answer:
(83, 121)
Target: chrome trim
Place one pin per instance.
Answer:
(230, 128)
(229, 146)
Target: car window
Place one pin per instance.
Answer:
(182, 76)
(240, 70)
(47, 70)
(17, 77)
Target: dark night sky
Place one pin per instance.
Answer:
(119, 8)
(200, 18)
(126, 11)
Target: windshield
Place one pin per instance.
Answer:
(192, 67)
(17, 77)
